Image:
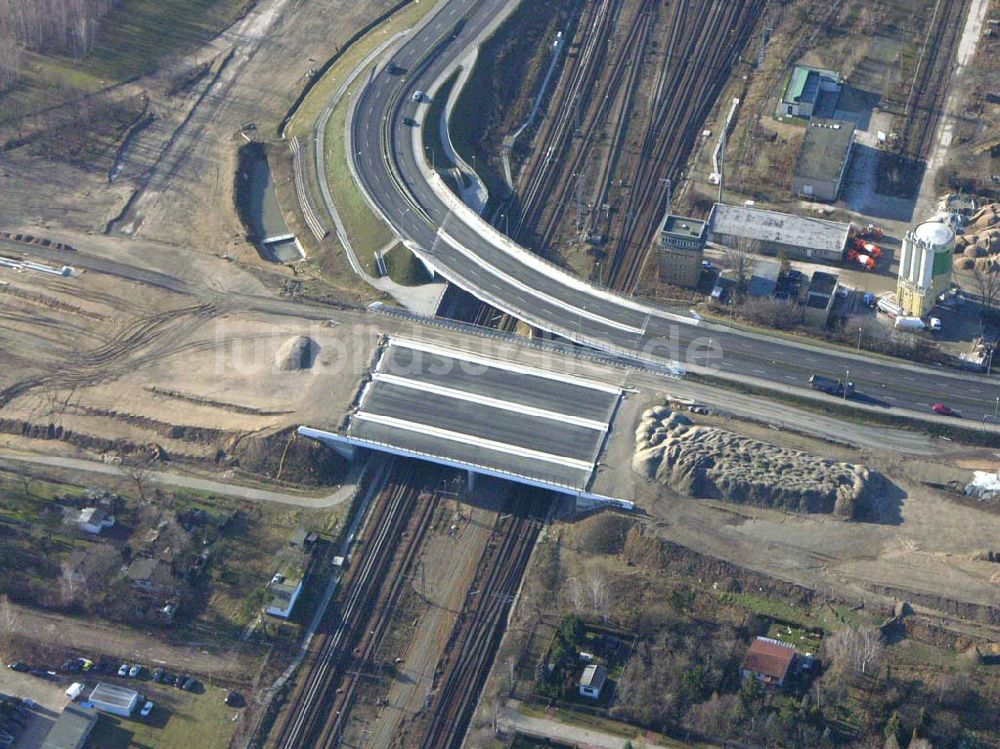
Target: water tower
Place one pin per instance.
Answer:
(925, 267)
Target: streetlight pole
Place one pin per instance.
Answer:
(996, 409)
(859, 338)
(989, 367)
(847, 379)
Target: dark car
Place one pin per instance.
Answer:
(19, 667)
(190, 685)
(180, 680)
(73, 666)
(41, 673)
(158, 674)
(235, 699)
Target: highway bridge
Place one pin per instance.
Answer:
(388, 162)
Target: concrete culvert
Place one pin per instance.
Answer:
(298, 352)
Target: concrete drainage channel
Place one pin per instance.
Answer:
(257, 205)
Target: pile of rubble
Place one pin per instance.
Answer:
(979, 243)
(708, 462)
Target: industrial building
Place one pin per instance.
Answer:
(115, 700)
(925, 267)
(71, 729)
(823, 159)
(820, 296)
(776, 233)
(808, 90)
(682, 250)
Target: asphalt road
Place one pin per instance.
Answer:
(466, 251)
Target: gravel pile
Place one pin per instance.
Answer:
(707, 462)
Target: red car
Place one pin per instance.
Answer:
(941, 408)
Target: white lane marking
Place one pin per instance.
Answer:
(470, 439)
(447, 238)
(510, 366)
(491, 402)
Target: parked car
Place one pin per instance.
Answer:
(41, 673)
(943, 410)
(123, 670)
(235, 699)
(75, 690)
(22, 668)
(190, 685)
(158, 674)
(179, 680)
(72, 666)
(146, 710)
(135, 671)
(86, 664)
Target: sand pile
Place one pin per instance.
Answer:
(708, 462)
(981, 237)
(298, 352)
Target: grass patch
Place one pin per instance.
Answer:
(404, 267)
(180, 720)
(770, 607)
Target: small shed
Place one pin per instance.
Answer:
(113, 699)
(93, 520)
(764, 279)
(592, 681)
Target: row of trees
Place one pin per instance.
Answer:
(68, 26)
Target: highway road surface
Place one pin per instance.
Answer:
(468, 252)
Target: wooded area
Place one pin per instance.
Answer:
(68, 26)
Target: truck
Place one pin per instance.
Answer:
(913, 324)
(831, 385)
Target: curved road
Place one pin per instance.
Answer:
(387, 161)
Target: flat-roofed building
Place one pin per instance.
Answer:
(776, 233)
(820, 297)
(823, 159)
(113, 699)
(682, 250)
(71, 729)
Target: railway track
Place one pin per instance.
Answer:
(929, 88)
(469, 655)
(312, 719)
(637, 140)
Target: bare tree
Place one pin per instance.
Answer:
(740, 259)
(576, 595)
(138, 475)
(987, 281)
(856, 648)
(598, 594)
(11, 57)
(9, 620)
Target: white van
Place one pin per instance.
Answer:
(74, 691)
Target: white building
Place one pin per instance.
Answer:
(115, 700)
(93, 520)
(592, 681)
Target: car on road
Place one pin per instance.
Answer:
(943, 410)
(22, 668)
(418, 96)
(135, 671)
(409, 122)
(146, 709)
(123, 670)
